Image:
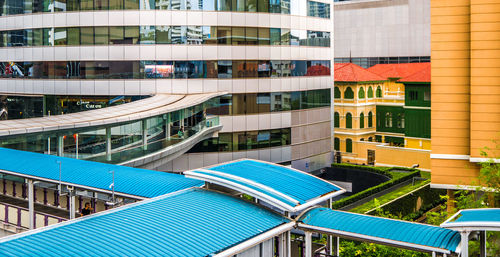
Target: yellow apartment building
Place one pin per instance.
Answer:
(465, 53)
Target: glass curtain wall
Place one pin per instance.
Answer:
(130, 35)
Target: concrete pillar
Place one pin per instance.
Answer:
(308, 249)
(336, 246)
(31, 203)
(450, 205)
(72, 204)
(168, 129)
(329, 240)
(464, 244)
(108, 144)
(60, 145)
(433, 254)
(282, 246)
(288, 244)
(482, 243)
(144, 124)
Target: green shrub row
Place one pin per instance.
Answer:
(407, 206)
(395, 179)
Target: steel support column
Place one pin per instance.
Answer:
(60, 145)
(464, 243)
(482, 243)
(72, 204)
(108, 144)
(31, 203)
(144, 124)
(308, 249)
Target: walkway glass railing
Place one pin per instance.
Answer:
(118, 142)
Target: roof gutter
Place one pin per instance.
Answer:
(256, 240)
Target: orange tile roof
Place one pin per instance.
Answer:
(397, 70)
(349, 72)
(423, 75)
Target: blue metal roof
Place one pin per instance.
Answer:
(287, 185)
(192, 222)
(383, 229)
(128, 180)
(478, 215)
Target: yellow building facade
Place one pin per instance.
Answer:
(465, 53)
(357, 94)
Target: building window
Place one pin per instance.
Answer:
(361, 93)
(362, 120)
(388, 120)
(370, 92)
(362, 139)
(427, 95)
(379, 92)
(336, 144)
(337, 93)
(348, 93)
(413, 95)
(348, 120)
(370, 139)
(336, 120)
(370, 119)
(348, 145)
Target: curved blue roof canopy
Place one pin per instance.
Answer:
(383, 230)
(475, 219)
(130, 181)
(293, 188)
(192, 222)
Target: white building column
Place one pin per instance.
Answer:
(60, 145)
(144, 124)
(72, 203)
(31, 203)
(308, 249)
(464, 243)
(108, 144)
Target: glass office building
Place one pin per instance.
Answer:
(268, 61)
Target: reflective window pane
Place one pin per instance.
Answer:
(264, 36)
(238, 35)
(224, 35)
(87, 36)
(60, 36)
(162, 4)
(194, 35)
(209, 35)
(163, 35)
(147, 34)
(73, 36)
(101, 35)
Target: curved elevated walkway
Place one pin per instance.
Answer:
(398, 233)
(145, 133)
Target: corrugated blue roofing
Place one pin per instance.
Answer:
(192, 222)
(298, 185)
(128, 180)
(478, 215)
(397, 230)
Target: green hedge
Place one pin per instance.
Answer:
(396, 178)
(406, 206)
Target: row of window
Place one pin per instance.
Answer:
(348, 143)
(294, 7)
(367, 62)
(226, 69)
(349, 93)
(348, 120)
(191, 35)
(241, 141)
(254, 103)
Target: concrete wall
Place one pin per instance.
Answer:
(380, 28)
